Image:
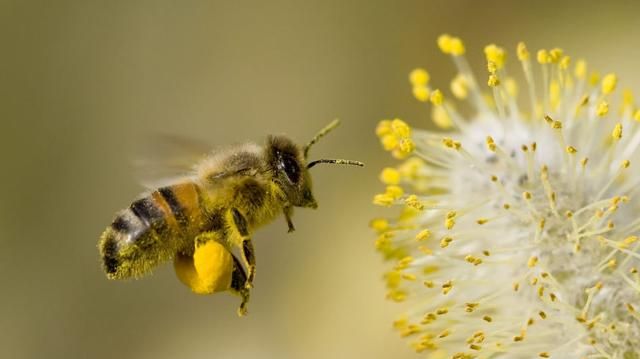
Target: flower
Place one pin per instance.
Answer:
(518, 233)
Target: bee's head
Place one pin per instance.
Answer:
(289, 161)
(291, 173)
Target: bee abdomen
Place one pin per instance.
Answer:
(130, 245)
(150, 231)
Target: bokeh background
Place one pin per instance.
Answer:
(82, 83)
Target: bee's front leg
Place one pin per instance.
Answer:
(288, 212)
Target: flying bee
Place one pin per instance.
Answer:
(201, 220)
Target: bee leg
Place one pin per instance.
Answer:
(247, 246)
(288, 211)
(250, 259)
(239, 286)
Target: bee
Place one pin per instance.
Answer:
(202, 220)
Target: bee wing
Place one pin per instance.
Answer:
(165, 159)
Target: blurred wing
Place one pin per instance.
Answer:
(165, 159)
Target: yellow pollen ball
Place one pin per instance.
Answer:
(423, 235)
(459, 87)
(581, 69)
(419, 77)
(523, 53)
(400, 128)
(543, 57)
(555, 55)
(390, 176)
(495, 54)
(407, 145)
(602, 109)
(609, 82)
(444, 43)
(394, 192)
(617, 132)
(436, 97)
(383, 128)
(457, 47)
(493, 80)
(389, 142)
(421, 93)
(379, 224)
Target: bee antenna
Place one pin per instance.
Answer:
(319, 135)
(336, 162)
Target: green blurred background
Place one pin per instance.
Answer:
(83, 82)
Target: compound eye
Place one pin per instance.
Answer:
(291, 168)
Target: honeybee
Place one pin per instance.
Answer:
(203, 219)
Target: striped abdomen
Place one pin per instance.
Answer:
(151, 231)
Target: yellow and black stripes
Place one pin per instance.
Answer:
(150, 231)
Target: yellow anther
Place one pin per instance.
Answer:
(555, 55)
(556, 125)
(565, 62)
(475, 347)
(445, 241)
(379, 225)
(413, 202)
(394, 192)
(389, 142)
(544, 355)
(627, 98)
(428, 283)
(407, 145)
(451, 45)
(383, 128)
(383, 200)
(436, 97)
(409, 277)
(523, 53)
(526, 195)
(532, 262)
(486, 253)
(390, 176)
(419, 77)
(495, 54)
(482, 221)
(440, 117)
(421, 93)
(584, 161)
(581, 69)
(445, 333)
(543, 57)
(491, 145)
(630, 308)
(602, 109)
(460, 87)
(492, 67)
(446, 287)
(442, 311)
(553, 297)
(515, 286)
(487, 318)
(617, 132)
(609, 82)
(493, 80)
(571, 150)
(625, 164)
(400, 128)
(542, 314)
(423, 235)
(636, 115)
(457, 47)
(450, 143)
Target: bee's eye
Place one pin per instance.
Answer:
(291, 168)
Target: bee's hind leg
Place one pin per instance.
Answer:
(239, 286)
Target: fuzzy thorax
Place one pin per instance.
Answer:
(517, 236)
